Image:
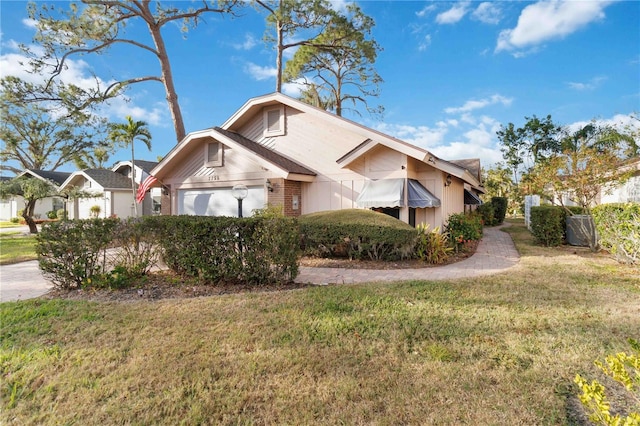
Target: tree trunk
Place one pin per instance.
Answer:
(133, 181)
(167, 80)
(27, 214)
(279, 56)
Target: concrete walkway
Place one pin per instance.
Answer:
(496, 253)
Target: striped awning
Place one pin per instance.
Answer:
(471, 198)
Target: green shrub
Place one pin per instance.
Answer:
(548, 225)
(463, 228)
(52, 214)
(618, 227)
(500, 209)
(488, 213)
(62, 214)
(432, 246)
(357, 234)
(15, 219)
(256, 250)
(72, 253)
(137, 249)
(624, 369)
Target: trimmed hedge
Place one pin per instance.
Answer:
(74, 254)
(256, 250)
(357, 234)
(548, 225)
(618, 227)
(488, 213)
(500, 209)
(71, 254)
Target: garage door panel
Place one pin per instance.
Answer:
(218, 202)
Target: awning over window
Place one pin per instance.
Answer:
(420, 197)
(382, 193)
(471, 198)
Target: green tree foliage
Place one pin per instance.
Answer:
(337, 66)
(31, 189)
(526, 146)
(125, 134)
(587, 164)
(94, 26)
(44, 135)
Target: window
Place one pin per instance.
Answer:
(213, 154)
(274, 121)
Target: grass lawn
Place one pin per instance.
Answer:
(7, 224)
(15, 247)
(499, 350)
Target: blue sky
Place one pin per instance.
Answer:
(453, 71)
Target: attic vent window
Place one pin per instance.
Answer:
(214, 154)
(274, 121)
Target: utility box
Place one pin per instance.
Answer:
(581, 230)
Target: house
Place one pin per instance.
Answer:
(151, 202)
(113, 194)
(10, 208)
(289, 153)
(628, 192)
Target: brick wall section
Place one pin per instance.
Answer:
(165, 203)
(283, 193)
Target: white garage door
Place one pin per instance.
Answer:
(218, 202)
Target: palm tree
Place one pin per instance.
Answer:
(125, 134)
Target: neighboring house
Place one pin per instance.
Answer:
(151, 203)
(112, 190)
(629, 191)
(11, 207)
(306, 159)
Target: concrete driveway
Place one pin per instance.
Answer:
(22, 281)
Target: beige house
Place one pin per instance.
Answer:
(306, 159)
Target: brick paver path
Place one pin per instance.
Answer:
(495, 253)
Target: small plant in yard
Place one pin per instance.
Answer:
(463, 229)
(432, 246)
(95, 211)
(625, 370)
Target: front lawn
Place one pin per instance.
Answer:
(500, 350)
(16, 247)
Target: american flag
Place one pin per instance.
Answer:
(144, 187)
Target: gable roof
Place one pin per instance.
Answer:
(107, 179)
(145, 166)
(470, 164)
(57, 178)
(266, 153)
(371, 138)
(227, 134)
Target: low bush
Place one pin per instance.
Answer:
(15, 220)
(625, 370)
(618, 227)
(432, 246)
(256, 250)
(72, 254)
(52, 214)
(357, 234)
(62, 214)
(463, 228)
(488, 213)
(548, 225)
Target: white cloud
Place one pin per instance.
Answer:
(549, 20)
(426, 10)
(488, 13)
(30, 23)
(248, 43)
(590, 85)
(453, 15)
(471, 105)
(422, 136)
(260, 73)
(425, 43)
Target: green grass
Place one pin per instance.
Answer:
(497, 350)
(15, 247)
(7, 224)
